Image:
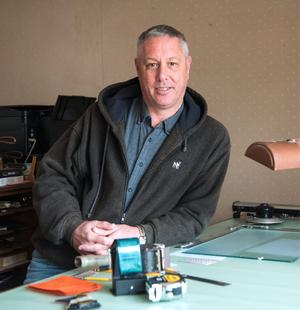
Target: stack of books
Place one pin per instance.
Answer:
(13, 259)
(9, 176)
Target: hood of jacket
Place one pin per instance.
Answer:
(114, 102)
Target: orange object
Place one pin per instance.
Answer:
(66, 285)
(276, 155)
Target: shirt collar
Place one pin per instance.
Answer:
(144, 117)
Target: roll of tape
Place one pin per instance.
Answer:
(150, 260)
(129, 256)
(92, 260)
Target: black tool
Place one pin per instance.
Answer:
(210, 281)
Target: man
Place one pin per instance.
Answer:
(145, 161)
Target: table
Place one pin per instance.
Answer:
(255, 284)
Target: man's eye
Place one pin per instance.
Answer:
(173, 64)
(152, 65)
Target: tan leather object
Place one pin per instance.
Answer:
(276, 155)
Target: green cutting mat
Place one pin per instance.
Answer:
(253, 243)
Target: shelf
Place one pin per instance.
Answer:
(5, 212)
(11, 231)
(13, 189)
(14, 266)
(20, 222)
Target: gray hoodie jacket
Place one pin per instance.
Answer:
(84, 176)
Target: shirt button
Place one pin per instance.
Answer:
(129, 189)
(150, 140)
(141, 164)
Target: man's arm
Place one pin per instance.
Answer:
(55, 191)
(194, 211)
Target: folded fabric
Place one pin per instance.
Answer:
(66, 285)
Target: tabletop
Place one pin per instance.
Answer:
(254, 284)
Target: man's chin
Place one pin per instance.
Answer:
(166, 105)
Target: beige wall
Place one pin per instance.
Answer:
(245, 62)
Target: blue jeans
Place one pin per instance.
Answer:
(40, 268)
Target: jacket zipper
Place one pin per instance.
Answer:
(123, 218)
(89, 214)
(184, 149)
(101, 179)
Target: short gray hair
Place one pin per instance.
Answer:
(163, 30)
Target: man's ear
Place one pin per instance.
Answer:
(189, 62)
(136, 62)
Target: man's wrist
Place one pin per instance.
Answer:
(142, 235)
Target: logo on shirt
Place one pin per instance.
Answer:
(176, 165)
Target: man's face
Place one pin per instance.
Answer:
(163, 71)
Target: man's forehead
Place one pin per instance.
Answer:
(162, 40)
(153, 58)
(169, 46)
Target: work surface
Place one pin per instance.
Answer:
(254, 284)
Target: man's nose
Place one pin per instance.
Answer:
(162, 72)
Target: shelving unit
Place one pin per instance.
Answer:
(17, 223)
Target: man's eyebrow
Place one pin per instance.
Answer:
(151, 59)
(155, 59)
(173, 58)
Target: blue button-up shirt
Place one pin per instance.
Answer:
(143, 141)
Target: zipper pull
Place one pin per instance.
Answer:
(123, 218)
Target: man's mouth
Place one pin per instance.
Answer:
(163, 90)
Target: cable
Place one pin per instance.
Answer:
(31, 149)
(8, 140)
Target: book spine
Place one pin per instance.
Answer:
(13, 259)
(10, 173)
(11, 180)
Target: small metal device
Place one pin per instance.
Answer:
(265, 213)
(127, 268)
(166, 287)
(80, 302)
(131, 263)
(139, 269)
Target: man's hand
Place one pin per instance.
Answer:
(96, 237)
(93, 237)
(124, 231)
